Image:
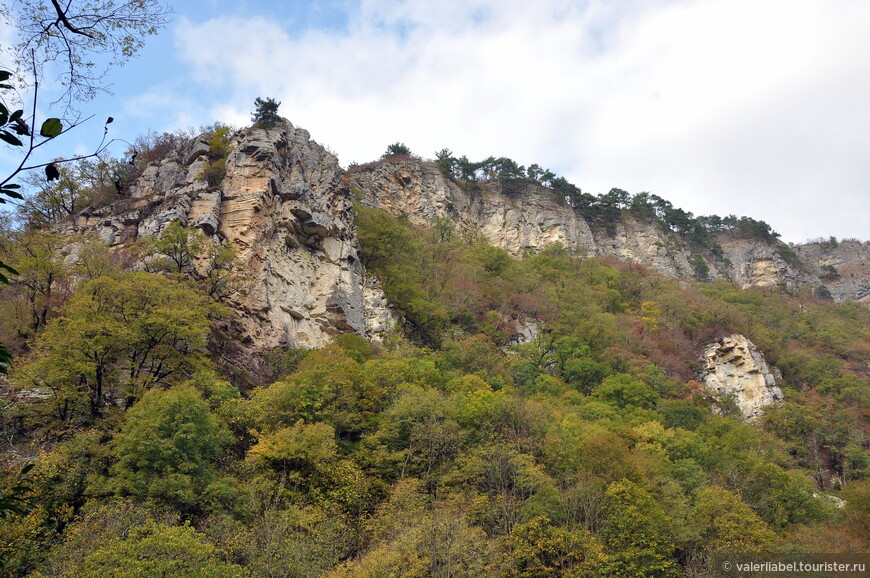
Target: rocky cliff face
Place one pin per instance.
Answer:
(534, 218)
(283, 207)
(735, 371)
(843, 267)
(286, 205)
(515, 222)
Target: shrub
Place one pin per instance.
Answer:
(219, 146)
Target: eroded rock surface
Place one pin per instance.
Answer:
(283, 206)
(735, 370)
(843, 267)
(532, 217)
(286, 205)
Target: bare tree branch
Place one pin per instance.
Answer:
(86, 38)
(62, 19)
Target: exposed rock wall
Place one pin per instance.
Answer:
(843, 267)
(644, 242)
(757, 264)
(735, 369)
(286, 205)
(533, 218)
(515, 222)
(283, 207)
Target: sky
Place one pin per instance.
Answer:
(746, 107)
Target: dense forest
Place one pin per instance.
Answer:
(449, 449)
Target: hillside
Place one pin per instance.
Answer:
(281, 367)
(524, 215)
(285, 204)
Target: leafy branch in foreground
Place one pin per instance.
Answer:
(14, 502)
(50, 129)
(13, 126)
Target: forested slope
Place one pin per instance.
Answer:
(588, 449)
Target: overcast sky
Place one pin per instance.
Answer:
(751, 107)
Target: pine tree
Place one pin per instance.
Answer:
(266, 112)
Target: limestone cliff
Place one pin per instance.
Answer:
(736, 372)
(843, 267)
(515, 222)
(534, 217)
(282, 205)
(286, 205)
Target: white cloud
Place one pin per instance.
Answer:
(737, 106)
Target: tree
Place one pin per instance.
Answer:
(568, 191)
(724, 523)
(42, 275)
(412, 539)
(506, 478)
(396, 149)
(539, 549)
(467, 169)
(119, 336)
(219, 278)
(70, 34)
(79, 183)
(66, 35)
(328, 387)
(168, 448)
(158, 549)
(180, 245)
(635, 533)
(265, 112)
(219, 145)
(857, 509)
(297, 541)
(624, 391)
(447, 162)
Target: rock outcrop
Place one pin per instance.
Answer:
(515, 222)
(286, 205)
(842, 267)
(533, 217)
(736, 372)
(283, 207)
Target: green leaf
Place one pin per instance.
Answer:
(5, 75)
(12, 194)
(8, 137)
(51, 128)
(8, 268)
(12, 186)
(4, 117)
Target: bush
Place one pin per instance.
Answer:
(215, 170)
